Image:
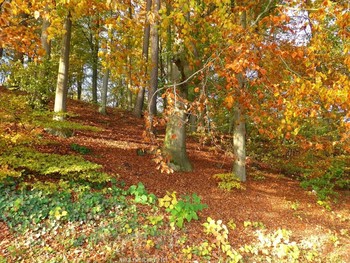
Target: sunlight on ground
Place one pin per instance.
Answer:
(125, 145)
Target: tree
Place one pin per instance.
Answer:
(175, 135)
(102, 108)
(145, 47)
(239, 133)
(152, 94)
(45, 42)
(94, 28)
(60, 106)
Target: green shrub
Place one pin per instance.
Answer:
(185, 208)
(28, 207)
(141, 195)
(29, 162)
(324, 186)
(37, 79)
(80, 149)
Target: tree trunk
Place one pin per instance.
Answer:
(45, 42)
(80, 79)
(94, 45)
(129, 94)
(175, 135)
(175, 140)
(94, 71)
(239, 132)
(139, 102)
(103, 106)
(140, 98)
(62, 79)
(239, 144)
(79, 88)
(152, 95)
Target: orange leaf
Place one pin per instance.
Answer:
(287, 136)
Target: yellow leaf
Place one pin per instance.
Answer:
(36, 14)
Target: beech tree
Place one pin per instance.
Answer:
(145, 48)
(154, 39)
(276, 69)
(60, 106)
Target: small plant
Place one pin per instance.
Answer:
(220, 232)
(325, 204)
(80, 149)
(232, 225)
(141, 194)
(258, 176)
(220, 248)
(229, 181)
(185, 208)
(253, 224)
(294, 205)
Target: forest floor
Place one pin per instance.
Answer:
(274, 200)
(269, 199)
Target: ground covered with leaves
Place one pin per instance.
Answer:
(98, 197)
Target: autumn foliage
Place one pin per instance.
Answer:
(265, 84)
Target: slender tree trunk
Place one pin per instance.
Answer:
(94, 71)
(129, 64)
(169, 42)
(140, 98)
(45, 42)
(129, 93)
(103, 106)
(60, 106)
(152, 95)
(80, 79)
(239, 132)
(79, 88)
(239, 144)
(94, 43)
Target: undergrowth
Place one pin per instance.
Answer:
(229, 181)
(25, 162)
(325, 185)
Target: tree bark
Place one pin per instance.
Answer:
(152, 95)
(239, 144)
(94, 44)
(175, 135)
(140, 98)
(103, 106)
(94, 70)
(175, 140)
(80, 79)
(239, 132)
(45, 42)
(60, 106)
